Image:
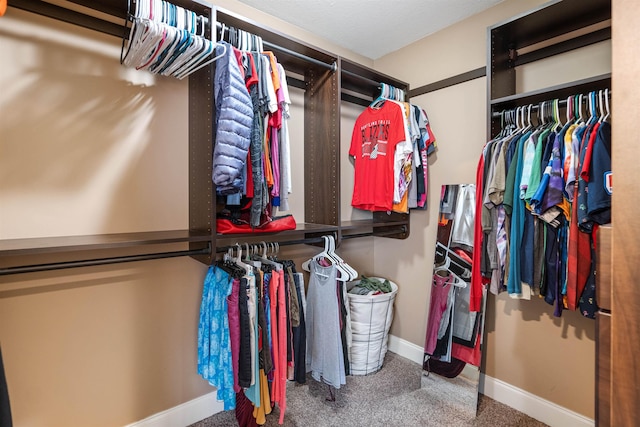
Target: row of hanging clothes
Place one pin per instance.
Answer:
(251, 158)
(390, 144)
(543, 189)
(260, 329)
(166, 39)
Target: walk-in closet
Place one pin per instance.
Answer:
(250, 213)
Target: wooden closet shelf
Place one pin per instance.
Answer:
(51, 245)
(556, 18)
(301, 228)
(554, 92)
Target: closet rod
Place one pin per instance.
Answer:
(402, 229)
(223, 249)
(333, 66)
(101, 261)
(366, 79)
(534, 106)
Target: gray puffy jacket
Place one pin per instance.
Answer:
(234, 115)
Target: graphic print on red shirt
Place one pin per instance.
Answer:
(375, 136)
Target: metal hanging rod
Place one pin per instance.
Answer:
(101, 261)
(309, 240)
(535, 106)
(333, 66)
(363, 78)
(403, 229)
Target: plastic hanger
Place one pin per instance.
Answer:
(579, 102)
(351, 272)
(384, 95)
(343, 275)
(238, 259)
(445, 267)
(606, 102)
(556, 115)
(601, 106)
(264, 259)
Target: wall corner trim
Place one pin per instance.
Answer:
(184, 414)
(536, 407)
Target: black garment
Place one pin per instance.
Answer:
(343, 329)
(442, 345)
(5, 407)
(588, 304)
(244, 359)
(551, 256)
(266, 362)
(446, 369)
(299, 341)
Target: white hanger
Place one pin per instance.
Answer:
(153, 36)
(606, 101)
(445, 267)
(265, 260)
(343, 275)
(603, 114)
(238, 260)
(580, 100)
(353, 274)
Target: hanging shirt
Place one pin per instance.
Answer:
(376, 133)
(286, 186)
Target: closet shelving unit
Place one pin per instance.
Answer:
(313, 70)
(554, 28)
(316, 71)
(360, 85)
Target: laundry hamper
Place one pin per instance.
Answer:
(371, 317)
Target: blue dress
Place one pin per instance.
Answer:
(214, 345)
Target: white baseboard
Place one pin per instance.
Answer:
(406, 349)
(514, 397)
(532, 405)
(185, 414)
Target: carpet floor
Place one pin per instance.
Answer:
(397, 395)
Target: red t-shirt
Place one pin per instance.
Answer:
(376, 133)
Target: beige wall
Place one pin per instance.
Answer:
(525, 345)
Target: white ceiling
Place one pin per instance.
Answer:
(372, 28)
